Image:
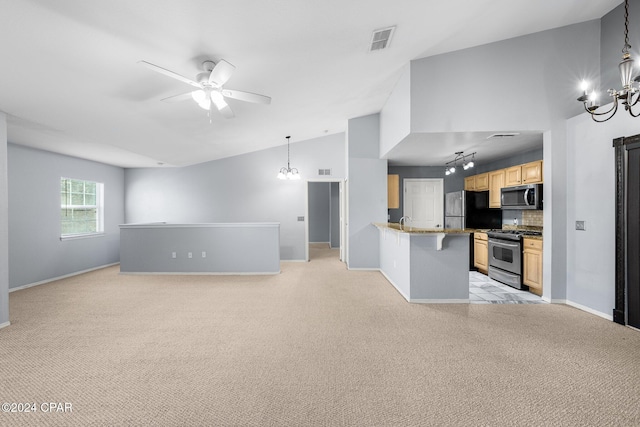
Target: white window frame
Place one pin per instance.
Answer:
(99, 213)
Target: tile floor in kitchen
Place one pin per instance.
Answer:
(484, 290)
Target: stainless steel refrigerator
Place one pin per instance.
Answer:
(454, 210)
(470, 209)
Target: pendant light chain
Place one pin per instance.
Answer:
(627, 46)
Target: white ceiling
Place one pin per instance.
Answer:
(70, 81)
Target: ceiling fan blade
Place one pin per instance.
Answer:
(170, 74)
(176, 98)
(246, 96)
(221, 73)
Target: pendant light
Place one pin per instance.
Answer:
(288, 172)
(628, 95)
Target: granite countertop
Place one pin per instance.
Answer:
(532, 237)
(416, 230)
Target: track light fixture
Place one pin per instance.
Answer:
(451, 168)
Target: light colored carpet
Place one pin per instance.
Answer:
(316, 345)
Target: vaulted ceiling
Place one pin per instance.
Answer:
(70, 81)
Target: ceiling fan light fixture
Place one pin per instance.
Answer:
(218, 99)
(198, 96)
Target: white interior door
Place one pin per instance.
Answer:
(424, 202)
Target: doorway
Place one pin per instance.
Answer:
(325, 220)
(424, 202)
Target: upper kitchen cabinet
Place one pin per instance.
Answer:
(513, 176)
(532, 172)
(470, 183)
(482, 182)
(393, 191)
(529, 173)
(477, 182)
(496, 182)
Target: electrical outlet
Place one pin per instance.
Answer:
(173, 255)
(204, 254)
(189, 255)
(581, 225)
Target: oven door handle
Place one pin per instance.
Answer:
(503, 243)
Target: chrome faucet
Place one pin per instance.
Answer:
(405, 219)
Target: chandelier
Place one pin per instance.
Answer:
(451, 168)
(628, 95)
(288, 172)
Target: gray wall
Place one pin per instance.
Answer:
(319, 212)
(237, 189)
(4, 224)
(591, 198)
(36, 252)
(367, 191)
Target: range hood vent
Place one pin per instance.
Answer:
(381, 39)
(503, 135)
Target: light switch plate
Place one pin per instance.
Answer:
(580, 225)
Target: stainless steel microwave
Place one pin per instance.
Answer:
(521, 197)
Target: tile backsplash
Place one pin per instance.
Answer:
(524, 218)
(532, 218)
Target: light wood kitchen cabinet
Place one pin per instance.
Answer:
(532, 172)
(532, 269)
(482, 182)
(513, 176)
(470, 183)
(481, 252)
(496, 182)
(393, 191)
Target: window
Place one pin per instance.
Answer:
(81, 208)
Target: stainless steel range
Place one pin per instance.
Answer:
(505, 255)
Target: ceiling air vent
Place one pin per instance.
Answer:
(324, 171)
(503, 135)
(381, 39)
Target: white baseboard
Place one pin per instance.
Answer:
(4, 325)
(363, 269)
(585, 308)
(42, 282)
(395, 286)
(293, 260)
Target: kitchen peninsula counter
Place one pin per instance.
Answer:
(426, 265)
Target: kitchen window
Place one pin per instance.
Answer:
(81, 208)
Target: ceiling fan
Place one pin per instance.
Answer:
(209, 84)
